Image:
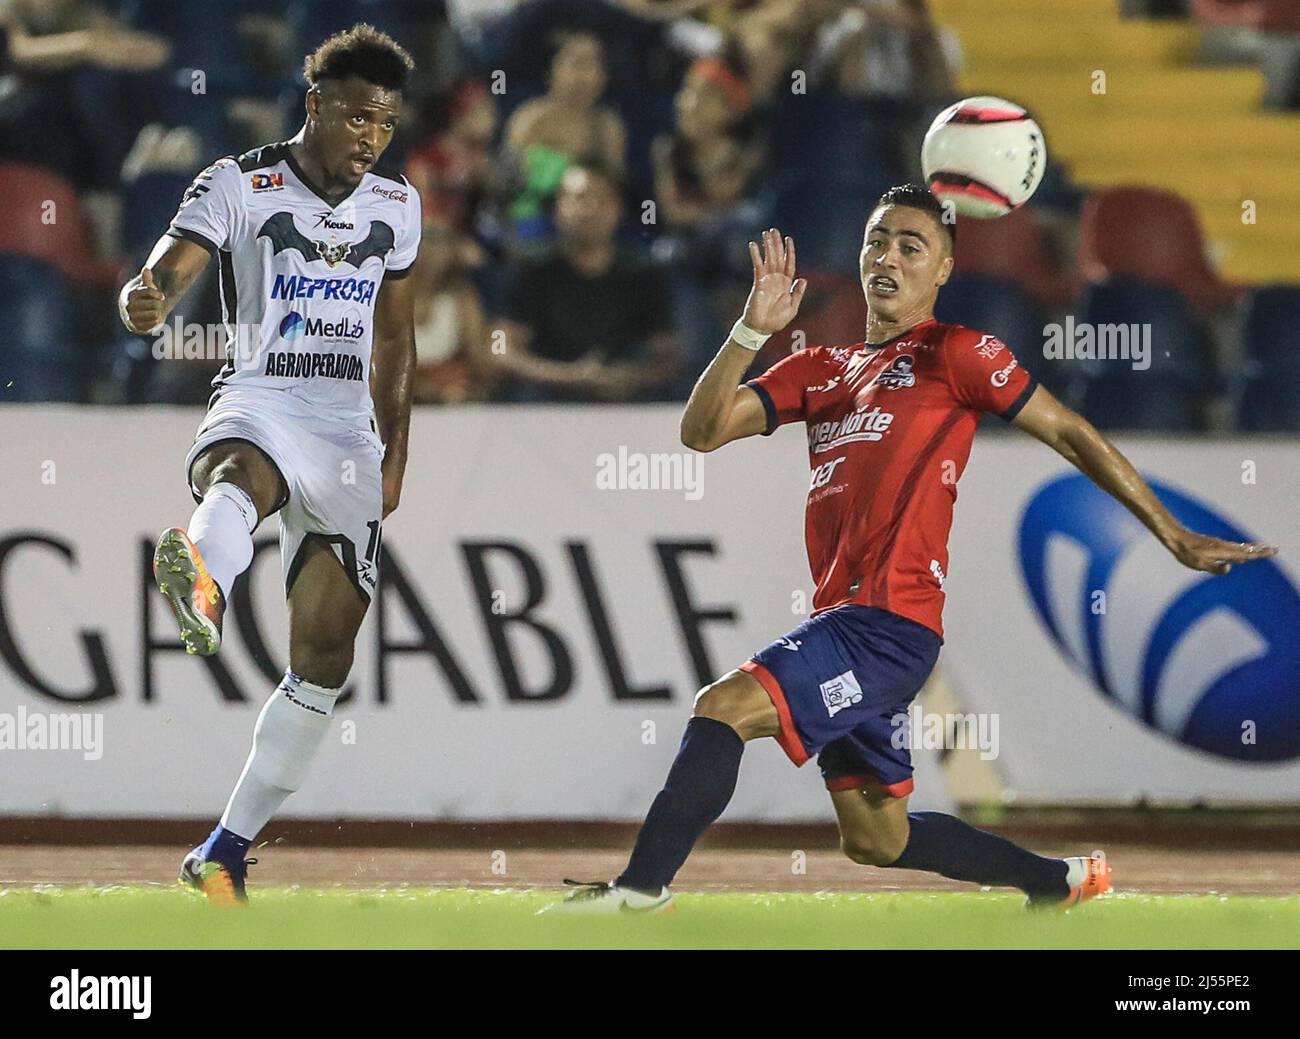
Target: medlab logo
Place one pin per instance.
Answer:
(292, 326)
(295, 326)
(1212, 662)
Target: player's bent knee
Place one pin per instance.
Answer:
(327, 667)
(244, 468)
(872, 850)
(742, 705)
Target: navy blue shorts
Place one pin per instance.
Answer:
(841, 683)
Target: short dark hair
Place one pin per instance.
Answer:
(918, 196)
(361, 51)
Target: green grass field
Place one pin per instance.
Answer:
(405, 918)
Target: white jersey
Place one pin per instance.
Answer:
(299, 276)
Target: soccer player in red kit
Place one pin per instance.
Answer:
(890, 422)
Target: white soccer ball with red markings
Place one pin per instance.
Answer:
(984, 156)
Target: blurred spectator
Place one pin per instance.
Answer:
(703, 169)
(703, 174)
(589, 321)
(485, 29)
(671, 10)
(774, 38)
(50, 112)
(452, 168)
(567, 124)
(885, 49)
(449, 324)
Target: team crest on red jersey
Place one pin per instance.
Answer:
(899, 374)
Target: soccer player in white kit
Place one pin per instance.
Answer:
(310, 414)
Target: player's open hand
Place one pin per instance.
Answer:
(774, 300)
(142, 304)
(1214, 555)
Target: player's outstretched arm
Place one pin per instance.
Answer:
(392, 379)
(1078, 441)
(147, 299)
(719, 411)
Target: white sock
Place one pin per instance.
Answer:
(222, 530)
(285, 740)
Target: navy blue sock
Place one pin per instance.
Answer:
(698, 788)
(224, 846)
(944, 844)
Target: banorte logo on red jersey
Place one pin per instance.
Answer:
(861, 425)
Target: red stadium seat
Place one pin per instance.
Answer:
(1014, 248)
(62, 240)
(1268, 15)
(833, 313)
(1153, 236)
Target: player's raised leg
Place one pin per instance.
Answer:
(325, 614)
(728, 713)
(876, 829)
(196, 567)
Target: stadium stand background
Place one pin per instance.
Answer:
(1171, 131)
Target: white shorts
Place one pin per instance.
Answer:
(332, 469)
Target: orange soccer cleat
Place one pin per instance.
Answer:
(222, 884)
(194, 596)
(1087, 875)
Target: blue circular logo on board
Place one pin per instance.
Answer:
(1210, 661)
(292, 326)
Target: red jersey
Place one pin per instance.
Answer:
(889, 432)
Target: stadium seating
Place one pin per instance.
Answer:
(44, 219)
(1152, 235)
(999, 305)
(834, 157)
(1159, 116)
(1163, 396)
(199, 45)
(1267, 15)
(148, 204)
(1271, 327)
(833, 313)
(1014, 248)
(1267, 402)
(1266, 392)
(42, 359)
(312, 20)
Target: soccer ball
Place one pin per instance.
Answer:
(984, 156)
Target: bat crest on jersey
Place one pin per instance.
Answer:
(284, 234)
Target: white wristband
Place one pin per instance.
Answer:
(745, 336)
